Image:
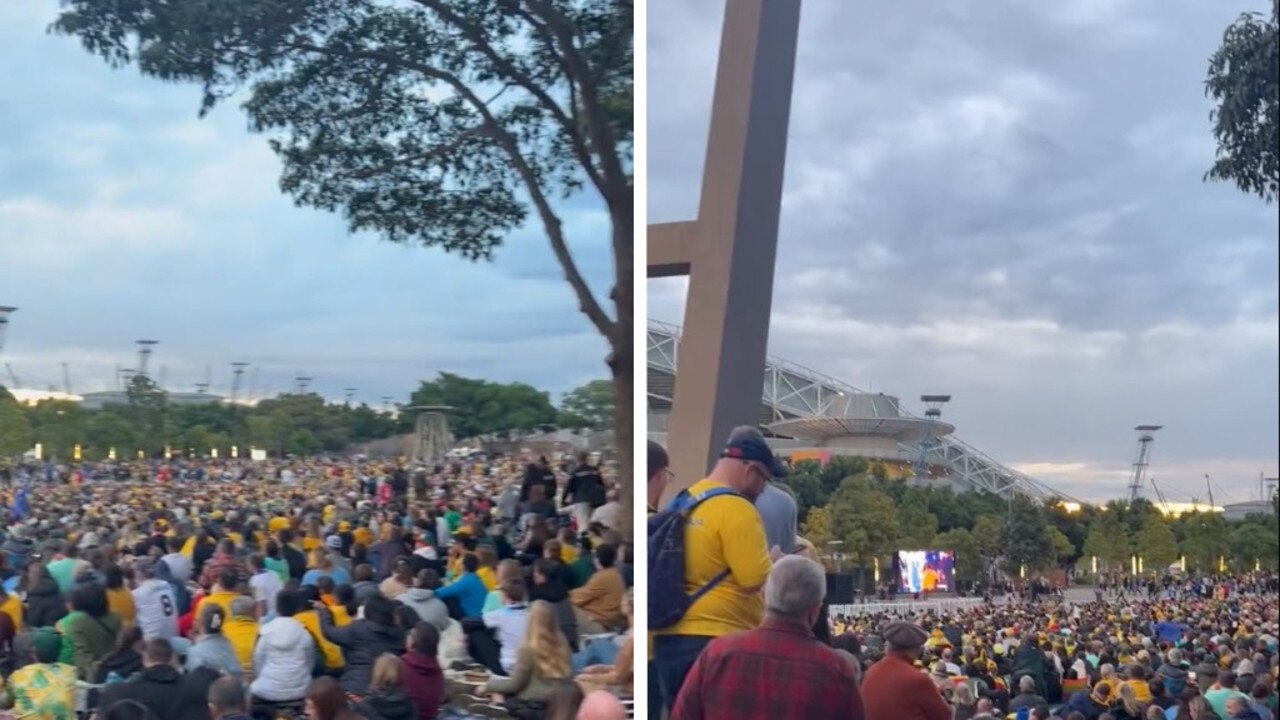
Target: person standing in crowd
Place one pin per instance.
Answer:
(894, 688)
(726, 558)
(228, 700)
(778, 669)
(583, 492)
(155, 607)
(778, 512)
(659, 474)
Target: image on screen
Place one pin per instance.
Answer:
(926, 571)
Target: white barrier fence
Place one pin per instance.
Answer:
(905, 607)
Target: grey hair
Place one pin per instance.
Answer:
(1027, 684)
(242, 606)
(796, 586)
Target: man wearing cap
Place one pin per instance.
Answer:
(894, 687)
(778, 669)
(724, 533)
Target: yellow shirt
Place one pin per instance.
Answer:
(221, 599)
(332, 653)
(120, 602)
(12, 606)
(310, 543)
(568, 554)
(242, 633)
(723, 532)
(362, 536)
(487, 577)
(341, 617)
(276, 524)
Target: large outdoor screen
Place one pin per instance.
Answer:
(926, 571)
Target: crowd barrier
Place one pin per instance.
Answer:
(904, 607)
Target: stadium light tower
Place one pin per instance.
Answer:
(932, 414)
(348, 393)
(1145, 438)
(303, 383)
(5, 312)
(145, 348)
(237, 372)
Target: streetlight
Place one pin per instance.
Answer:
(834, 554)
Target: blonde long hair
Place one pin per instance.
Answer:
(544, 640)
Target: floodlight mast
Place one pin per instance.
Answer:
(932, 414)
(237, 373)
(1138, 479)
(5, 312)
(145, 348)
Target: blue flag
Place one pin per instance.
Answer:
(20, 505)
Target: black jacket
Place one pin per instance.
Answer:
(166, 692)
(296, 560)
(584, 486)
(45, 604)
(391, 704)
(555, 593)
(362, 642)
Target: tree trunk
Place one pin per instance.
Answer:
(622, 354)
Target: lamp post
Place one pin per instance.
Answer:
(835, 544)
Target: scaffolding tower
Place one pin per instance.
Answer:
(431, 436)
(1139, 478)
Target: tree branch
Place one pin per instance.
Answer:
(597, 124)
(476, 36)
(551, 222)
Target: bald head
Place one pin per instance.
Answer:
(600, 705)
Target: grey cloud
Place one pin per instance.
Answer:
(970, 166)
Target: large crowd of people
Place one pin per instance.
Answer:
(740, 629)
(324, 588)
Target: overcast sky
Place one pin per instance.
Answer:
(1002, 200)
(123, 216)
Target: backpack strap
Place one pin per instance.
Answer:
(690, 502)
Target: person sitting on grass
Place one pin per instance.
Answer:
(542, 658)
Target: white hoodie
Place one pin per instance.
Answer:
(282, 661)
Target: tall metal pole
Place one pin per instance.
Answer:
(5, 312)
(237, 372)
(1138, 480)
(145, 348)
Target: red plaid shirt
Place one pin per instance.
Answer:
(779, 670)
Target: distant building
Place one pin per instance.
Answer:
(99, 400)
(1236, 512)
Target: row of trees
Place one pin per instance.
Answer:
(853, 506)
(298, 424)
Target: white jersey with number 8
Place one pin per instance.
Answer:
(157, 611)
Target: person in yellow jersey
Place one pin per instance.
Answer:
(726, 558)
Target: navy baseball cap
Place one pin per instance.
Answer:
(748, 444)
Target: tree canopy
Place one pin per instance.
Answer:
(1244, 81)
(296, 424)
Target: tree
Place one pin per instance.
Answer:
(148, 408)
(807, 489)
(435, 122)
(588, 406)
(1155, 543)
(15, 430)
(303, 442)
(1252, 542)
(816, 528)
(1108, 540)
(968, 556)
(864, 518)
(1061, 549)
(481, 407)
(1024, 540)
(107, 429)
(271, 432)
(917, 527)
(1244, 79)
(1204, 539)
(986, 532)
(57, 425)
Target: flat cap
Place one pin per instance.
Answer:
(905, 635)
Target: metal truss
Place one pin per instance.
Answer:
(791, 391)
